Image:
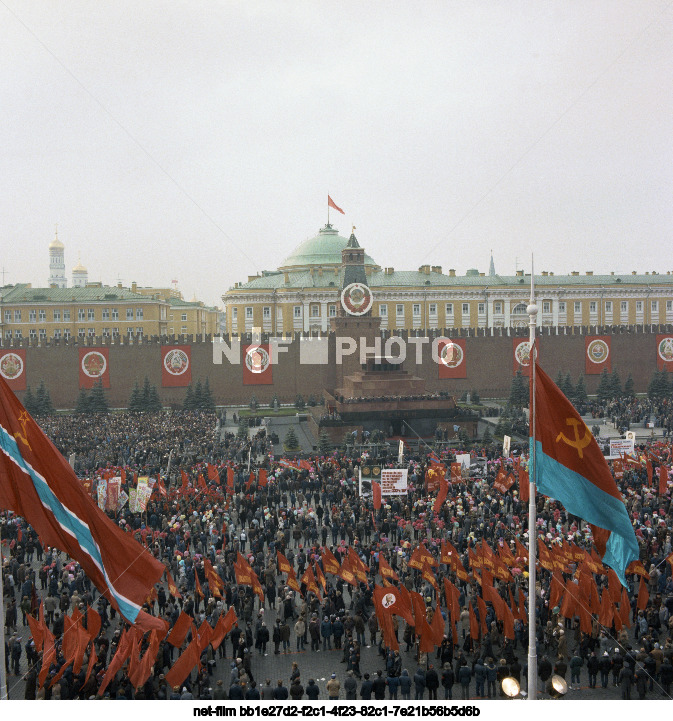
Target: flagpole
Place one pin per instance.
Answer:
(328, 210)
(532, 508)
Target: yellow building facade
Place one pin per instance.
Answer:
(304, 293)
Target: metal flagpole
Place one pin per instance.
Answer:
(532, 508)
(3, 675)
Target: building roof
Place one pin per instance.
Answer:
(323, 249)
(23, 293)
(56, 244)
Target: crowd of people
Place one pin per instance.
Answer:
(301, 512)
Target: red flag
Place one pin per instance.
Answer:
(93, 623)
(605, 615)
(202, 482)
(663, 480)
(180, 630)
(263, 479)
(283, 564)
(597, 349)
(482, 614)
(185, 479)
(123, 650)
(437, 627)
(625, 608)
(223, 627)
(329, 562)
(474, 624)
(184, 665)
(230, 479)
(376, 493)
(441, 496)
(37, 483)
(172, 588)
(92, 662)
(385, 570)
(508, 622)
(643, 595)
(213, 475)
(391, 600)
(332, 204)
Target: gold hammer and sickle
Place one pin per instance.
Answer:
(578, 443)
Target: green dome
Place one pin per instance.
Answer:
(324, 249)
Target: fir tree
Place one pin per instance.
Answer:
(567, 387)
(145, 395)
(628, 387)
(324, 442)
(311, 401)
(488, 438)
(188, 403)
(274, 402)
(463, 436)
(658, 387)
(43, 404)
(559, 380)
(207, 400)
(154, 404)
(518, 395)
(581, 396)
(82, 402)
(299, 403)
(29, 402)
(615, 385)
(198, 395)
(135, 400)
(242, 428)
(291, 443)
(476, 398)
(97, 401)
(253, 403)
(604, 386)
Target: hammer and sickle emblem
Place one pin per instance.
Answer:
(578, 443)
(23, 420)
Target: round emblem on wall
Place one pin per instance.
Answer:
(522, 353)
(257, 359)
(11, 366)
(388, 600)
(598, 351)
(452, 355)
(665, 350)
(94, 364)
(176, 362)
(356, 299)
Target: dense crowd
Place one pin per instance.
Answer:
(300, 513)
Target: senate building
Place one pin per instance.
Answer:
(303, 294)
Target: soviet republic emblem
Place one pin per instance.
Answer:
(356, 299)
(598, 351)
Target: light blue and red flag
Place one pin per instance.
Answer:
(571, 468)
(37, 483)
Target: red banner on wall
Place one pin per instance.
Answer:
(176, 366)
(13, 368)
(665, 352)
(257, 369)
(94, 365)
(597, 354)
(521, 355)
(452, 358)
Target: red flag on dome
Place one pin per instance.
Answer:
(332, 204)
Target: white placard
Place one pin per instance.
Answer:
(619, 446)
(506, 443)
(463, 459)
(394, 482)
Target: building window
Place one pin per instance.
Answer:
(18, 334)
(497, 307)
(592, 306)
(624, 306)
(66, 334)
(32, 334)
(139, 330)
(481, 308)
(57, 316)
(57, 333)
(81, 315)
(519, 308)
(315, 310)
(115, 332)
(42, 333)
(91, 333)
(608, 306)
(32, 316)
(105, 314)
(331, 309)
(8, 316)
(466, 309)
(578, 306)
(129, 331)
(115, 314)
(81, 333)
(42, 315)
(106, 332)
(562, 307)
(433, 309)
(248, 312)
(129, 314)
(669, 305)
(546, 306)
(139, 314)
(183, 329)
(17, 316)
(266, 312)
(297, 311)
(163, 312)
(417, 309)
(234, 315)
(66, 314)
(184, 316)
(655, 306)
(91, 314)
(639, 306)
(383, 311)
(399, 310)
(8, 334)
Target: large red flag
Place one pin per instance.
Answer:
(663, 480)
(332, 204)
(37, 482)
(391, 600)
(184, 665)
(441, 496)
(223, 627)
(376, 494)
(180, 630)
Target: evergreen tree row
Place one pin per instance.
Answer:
(199, 397)
(660, 386)
(93, 402)
(146, 400)
(38, 403)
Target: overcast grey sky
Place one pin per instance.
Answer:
(198, 140)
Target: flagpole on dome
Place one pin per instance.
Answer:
(532, 512)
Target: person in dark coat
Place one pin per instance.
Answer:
(419, 683)
(604, 666)
(351, 686)
(464, 678)
(235, 691)
(592, 668)
(432, 682)
(492, 677)
(501, 674)
(448, 679)
(666, 674)
(366, 689)
(280, 693)
(479, 678)
(296, 690)
(544, 670)
(379, 686)
(625, 681)
(641, 680)
(312, 690)
(405, 684)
